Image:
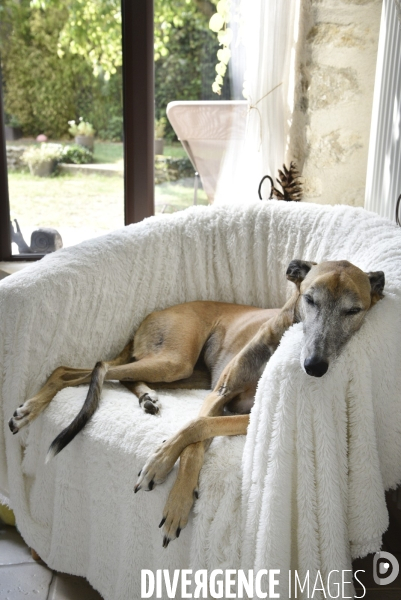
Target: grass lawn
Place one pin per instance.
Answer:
(177, 195)
(113, 152)
(83, 206)
(71, 200)
(108, 152)
(80, 205)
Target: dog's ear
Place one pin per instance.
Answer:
(298, 269)
(377, 281)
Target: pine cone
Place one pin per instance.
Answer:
(289, 181)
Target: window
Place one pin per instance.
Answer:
(137, 188)
(187, 106)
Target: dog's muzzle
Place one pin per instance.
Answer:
(315, 366)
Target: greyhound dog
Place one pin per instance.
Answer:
(232, 343)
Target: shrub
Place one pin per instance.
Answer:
(43, 87)
(113, 129)
(77, 155)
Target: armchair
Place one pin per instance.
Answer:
(264, 499)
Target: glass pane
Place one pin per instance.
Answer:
(185, 71)
(62, 84)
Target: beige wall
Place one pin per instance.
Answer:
(336, 72)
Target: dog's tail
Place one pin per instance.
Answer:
(89, 407)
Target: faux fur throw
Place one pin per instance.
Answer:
(304, 490)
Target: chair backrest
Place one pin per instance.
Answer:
(205, 128)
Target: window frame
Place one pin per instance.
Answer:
(138, 125)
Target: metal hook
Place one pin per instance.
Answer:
(397, 215)
(271, 187)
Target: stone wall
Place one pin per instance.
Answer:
(14, 157)
(336, 73)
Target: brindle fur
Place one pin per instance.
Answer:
(227, 345)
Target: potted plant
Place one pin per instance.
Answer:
(83, 133)
(13, 129)
(42, 159)
(160, 126)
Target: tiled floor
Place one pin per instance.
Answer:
(22, 577)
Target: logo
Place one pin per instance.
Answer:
(385, 568)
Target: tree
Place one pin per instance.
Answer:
(61, 59)
(93, 28)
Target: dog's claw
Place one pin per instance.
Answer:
(156, 469)
(196, 494)
(137, 488)
(12, 426)
(166, 541)
(162, 522)
(177, 533)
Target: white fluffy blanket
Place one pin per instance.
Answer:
(318, 454)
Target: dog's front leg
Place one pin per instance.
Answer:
(246, 367)
(185, 489)
(184, 492)
(200, 429)
(242, 369)
(239, 372)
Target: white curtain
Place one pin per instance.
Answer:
(383, 179)
(269, 33)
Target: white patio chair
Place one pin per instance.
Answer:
(205, 128)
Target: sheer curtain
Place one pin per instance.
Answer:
(269, 36)
(383, 180)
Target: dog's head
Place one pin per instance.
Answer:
(334, 299)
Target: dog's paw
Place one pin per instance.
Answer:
(176, 512)
(149, 402)
(156, 469)
(20, 418)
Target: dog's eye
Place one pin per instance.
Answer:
(353, 311)
(309, 300)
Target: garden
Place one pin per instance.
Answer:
(62, 84)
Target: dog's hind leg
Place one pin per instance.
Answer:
(148, 399)
(167, 366)
(61, 378)
(155, 355)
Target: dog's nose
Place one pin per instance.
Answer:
(315, 366)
